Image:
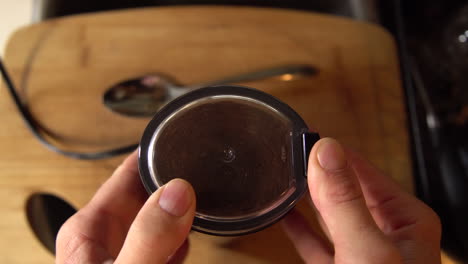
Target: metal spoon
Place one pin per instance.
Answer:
(46, 213)
(145, 95)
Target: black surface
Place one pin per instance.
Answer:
(432, 29)
(57, 8)
(308, 141)
(428, 40)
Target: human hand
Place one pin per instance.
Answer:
(122, 225)
(366, 215)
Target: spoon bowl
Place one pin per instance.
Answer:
(46, 213)
(140, 96)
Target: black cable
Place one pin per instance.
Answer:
(36, 129)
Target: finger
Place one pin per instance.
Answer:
(337, 195)
(105, 220)
(318, 217)
(181, 254)
(390, 205)
(161, 226)
(308, 243)
(398, 214)
(381, 194)
(122, 195)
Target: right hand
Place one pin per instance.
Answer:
(367, 216)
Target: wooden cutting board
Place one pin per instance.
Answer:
(63, 66)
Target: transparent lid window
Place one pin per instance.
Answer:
(235, 151)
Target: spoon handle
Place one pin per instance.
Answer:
(285, 72)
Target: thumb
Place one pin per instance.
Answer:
(161, 226)
(336, 193)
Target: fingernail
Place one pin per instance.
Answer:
(175, 198)
(331, 155)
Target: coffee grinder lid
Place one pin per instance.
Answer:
(243, 151)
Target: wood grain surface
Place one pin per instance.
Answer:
(63, 66)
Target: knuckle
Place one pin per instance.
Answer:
(75, 246)
(70, 248)
(427, 225)
(66, 230)
(70, 239)
(432, 224)
(389, 253)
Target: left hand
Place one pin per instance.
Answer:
(122, 225)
